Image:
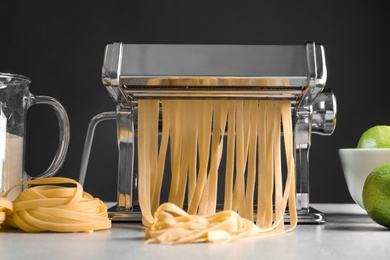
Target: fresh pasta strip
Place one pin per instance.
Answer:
(144, 180)
(50, 207)
(229, 175)
(204, 135)
(195, 131)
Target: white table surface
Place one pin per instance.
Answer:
(348, 233)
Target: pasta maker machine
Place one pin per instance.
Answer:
(156, 71)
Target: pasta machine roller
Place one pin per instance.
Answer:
(166, 71)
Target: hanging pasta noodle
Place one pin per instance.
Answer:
(195, 130)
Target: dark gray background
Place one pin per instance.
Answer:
(60, 45)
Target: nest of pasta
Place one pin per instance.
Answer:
(50, 205)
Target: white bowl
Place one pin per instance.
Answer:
(357, 163)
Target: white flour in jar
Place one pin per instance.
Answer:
(12, 170)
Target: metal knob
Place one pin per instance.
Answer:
(324, 113)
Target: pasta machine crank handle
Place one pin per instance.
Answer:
(318, 118)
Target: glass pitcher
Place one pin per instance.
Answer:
(15, 100)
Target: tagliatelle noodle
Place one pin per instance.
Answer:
(176, 138)
(239, 185)
(229, 175)
(50, 207)
(192, 149)
(204, 136)
(154, 105)
(270, 164)
(161, 158)
(251, 176)
(219, 120)
(144, 150)
(184, 160)
(262, 163)
(197, 128)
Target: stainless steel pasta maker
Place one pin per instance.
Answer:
(164, 71)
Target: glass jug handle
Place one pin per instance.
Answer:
(64, 134)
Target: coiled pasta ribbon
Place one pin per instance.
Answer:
(50, 207)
